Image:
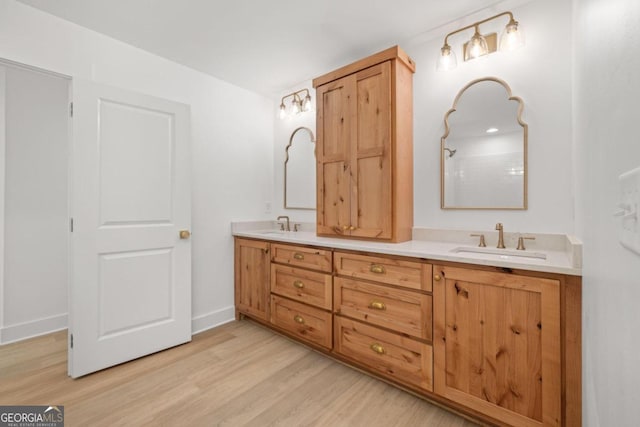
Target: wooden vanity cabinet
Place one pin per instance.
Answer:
(252, 278)
(364, 148)
(501, 346)
(497, 344)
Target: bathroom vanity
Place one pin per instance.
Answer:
(493, 335)
(471, 320)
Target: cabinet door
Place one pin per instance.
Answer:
(252, 286)
(335, 128)
(497, 344)
(371, 200)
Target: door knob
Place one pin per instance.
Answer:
(185, 234)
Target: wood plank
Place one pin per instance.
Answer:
(572, 351)
(551, 355)
(237, 374)
(402, 147)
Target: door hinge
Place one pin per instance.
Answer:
(71, 340)
(71, 224)
(71, 109)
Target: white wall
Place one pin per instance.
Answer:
(607, 91)
(36, 219)
(539, 73)
(232, 135)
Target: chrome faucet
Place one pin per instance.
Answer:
(500, 229)
(287, 218)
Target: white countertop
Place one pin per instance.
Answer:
(563, 253)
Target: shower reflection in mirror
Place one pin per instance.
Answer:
(300, 170)
(484, 149)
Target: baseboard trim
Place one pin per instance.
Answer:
(34, 328)
(212, 319)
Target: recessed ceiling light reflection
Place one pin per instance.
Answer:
(492, 130)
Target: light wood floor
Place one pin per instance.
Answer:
(239, 374)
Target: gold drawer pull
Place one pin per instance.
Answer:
(437, 278)
(378, 269)
(298, 256)
(377, 305)
(352, 228)
(377, 348)
(298, 319)
(298, 284)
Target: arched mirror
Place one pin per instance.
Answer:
(300, 170)
(484, 149)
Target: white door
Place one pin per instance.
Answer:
(130, 292)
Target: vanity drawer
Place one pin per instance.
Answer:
(299, 256)
(306, 286)
(404, 311)
(305, 322)
(409, 274)
(400, 358)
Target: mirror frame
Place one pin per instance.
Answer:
(525, 128)
(286, 160)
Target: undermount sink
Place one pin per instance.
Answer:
(505, 254)
(271, 232)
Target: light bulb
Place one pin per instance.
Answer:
(295, 106)
(512, 37)
(306, 106)
(283, 111)
(477, 45)
(447, 59)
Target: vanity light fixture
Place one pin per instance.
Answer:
(479, 45)
(298, 103)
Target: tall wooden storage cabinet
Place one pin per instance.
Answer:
(365, 148)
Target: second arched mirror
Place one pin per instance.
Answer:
(484, 149)
(300, 170)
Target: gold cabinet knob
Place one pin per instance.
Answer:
(298, 284)
(437, 278)
(377, 305)
(185, 234)
(352, 228)
(298, 256)
(345, 227)
(298, 319)
(377, 348)
(378, 269)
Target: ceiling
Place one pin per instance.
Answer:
(264, 46)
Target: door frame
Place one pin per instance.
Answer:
(4, 62)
